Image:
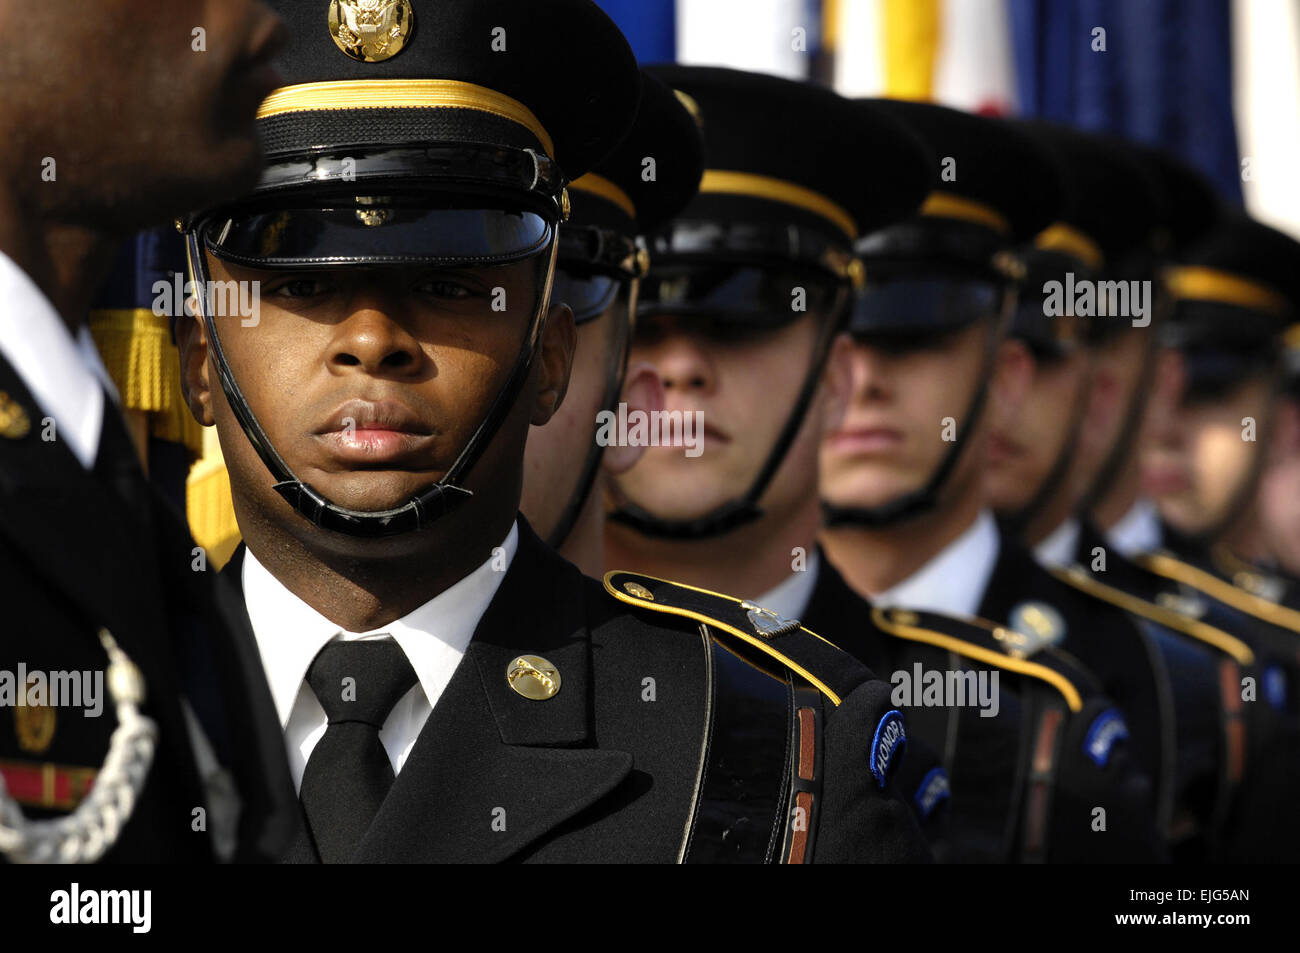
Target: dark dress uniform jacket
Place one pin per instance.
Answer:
(76, 554)
(606, 769)
(1235, 780)
(1002, 808)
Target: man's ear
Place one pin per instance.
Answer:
(643, 390)
(555, 362)
(1013, 373)
(192, 340)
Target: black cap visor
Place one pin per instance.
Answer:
(374, 231)
(588, 298)
(742, 296)
(922, 307)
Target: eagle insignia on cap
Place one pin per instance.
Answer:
(371, 31)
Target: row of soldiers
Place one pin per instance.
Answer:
(971, 418)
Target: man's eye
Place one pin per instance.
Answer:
(300, 288)
(442, 288)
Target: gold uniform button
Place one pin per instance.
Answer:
(638, 590)
(371, 31)
(533, 677)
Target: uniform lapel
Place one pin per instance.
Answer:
(493, 772)
(74, 530)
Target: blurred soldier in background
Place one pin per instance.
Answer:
(97, 570)
(747, 289)
(1279, 496)
(907, 523)
(1235, 299)
(644, 183)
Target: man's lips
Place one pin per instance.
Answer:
(371, 432)
(866, 439)
(1001, 448)
(1163, 480)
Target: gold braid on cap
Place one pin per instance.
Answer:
(402, 94)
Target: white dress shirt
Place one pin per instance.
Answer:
(789, 598)
(434, 637)
(64, 374)
(1138, 531)
(953, 582)
(1059, 549)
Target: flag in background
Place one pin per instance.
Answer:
(649, 25)
(1157, 71)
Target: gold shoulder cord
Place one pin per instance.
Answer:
(1225, 592)
(87, 833)
(1201, 631)
(981, 654)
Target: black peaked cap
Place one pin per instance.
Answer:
(666, 131)
(1188, 207)
(996, 165)
(564, 60)
(1109, 196)
(1236, 292)
(1244, 248)
(866, 164)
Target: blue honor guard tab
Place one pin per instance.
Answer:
(889, 740)
(1108, 728)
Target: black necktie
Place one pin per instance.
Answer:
(348, 774)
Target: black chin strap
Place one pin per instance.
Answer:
(926, 498)
(738, 512)
(1016, 523)
(421, 510)
(614, 375)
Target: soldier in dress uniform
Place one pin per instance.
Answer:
(1165, 678)
(450, 688)
(1279, 497)
(135, 721)
(907, 518)
(1218, 757)
(602, 258)
(747, 289)
(1235, 299)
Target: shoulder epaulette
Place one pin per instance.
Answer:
(1090, 585)
(834, 672)
(1162, 564)
(984, 641)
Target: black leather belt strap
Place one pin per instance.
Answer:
(750, 754)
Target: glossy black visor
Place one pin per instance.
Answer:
(374, 230)
(742, 295)
(910, 306)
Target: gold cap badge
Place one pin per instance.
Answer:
(371, 31)
(533, 677)
(14, 422)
